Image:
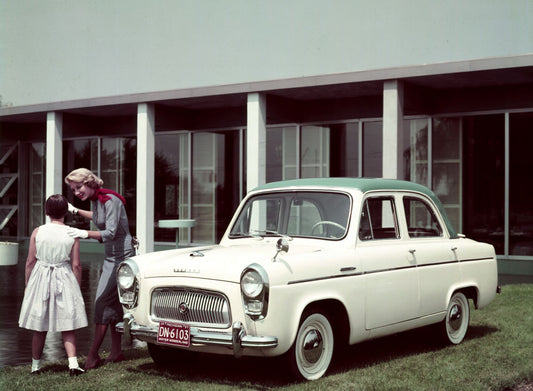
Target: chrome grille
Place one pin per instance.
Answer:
(196, 307)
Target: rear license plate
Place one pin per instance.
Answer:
(177, 334)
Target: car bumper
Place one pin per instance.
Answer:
(237, 340)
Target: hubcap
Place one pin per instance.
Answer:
(456, 315)
(312, 346)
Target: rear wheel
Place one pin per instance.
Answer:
(455, 325)
(311, 353)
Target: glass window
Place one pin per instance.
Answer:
(282, 153)
(37, 184)
(484, 182)
(307, 214)
(168, 179)
(521, 169)
(421, 221)
(378, 219)
(215, 187)
(447, 167)
(415, 155)
(344, 150)
(112, 159)
(314, 154)
(373, 149)
(9, 181)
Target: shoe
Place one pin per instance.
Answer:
(119, 358)
(96, 364)
(37, 372)
(76, 371)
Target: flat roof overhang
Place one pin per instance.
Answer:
(471, 74)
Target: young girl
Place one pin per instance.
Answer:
(52, 298)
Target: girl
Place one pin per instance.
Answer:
(52, 298)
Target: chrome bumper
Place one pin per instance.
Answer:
(237, 340)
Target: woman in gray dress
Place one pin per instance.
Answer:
(109, 216)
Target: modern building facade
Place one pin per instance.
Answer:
(185, 106)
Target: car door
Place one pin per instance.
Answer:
(432, 251)
(392, 294)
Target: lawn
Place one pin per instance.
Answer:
(497, 354)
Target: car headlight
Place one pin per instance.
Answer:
(251, 283)
(127, 283)
(125, 277)
(255, 291)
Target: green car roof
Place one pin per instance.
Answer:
(365, 185)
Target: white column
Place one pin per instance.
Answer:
(54, 154)
(256, 141)
(392, 129)
(145, 176)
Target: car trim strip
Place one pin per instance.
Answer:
(386, 270)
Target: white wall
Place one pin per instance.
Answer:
(57, 50)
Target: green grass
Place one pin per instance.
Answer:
(497, 354)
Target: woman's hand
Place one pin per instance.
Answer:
(72, 209)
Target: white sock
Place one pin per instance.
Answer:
(35, 365)
(73, 362)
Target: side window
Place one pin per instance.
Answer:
(378, 219)
(421, 221)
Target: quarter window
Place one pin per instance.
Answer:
(378, 219)
(421, 221)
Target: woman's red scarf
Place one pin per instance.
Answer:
(101, 195)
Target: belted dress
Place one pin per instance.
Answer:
(52, 299)
(111, 220)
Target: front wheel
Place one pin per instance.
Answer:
(455, 325)
(311, 353)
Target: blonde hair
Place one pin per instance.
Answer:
(85, 176)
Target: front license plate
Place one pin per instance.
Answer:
(177, 334)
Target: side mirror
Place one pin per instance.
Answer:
(282, 246)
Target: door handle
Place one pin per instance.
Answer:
(347, 269)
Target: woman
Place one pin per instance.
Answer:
(52, 298)
(109, 216)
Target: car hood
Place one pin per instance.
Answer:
(216, 262)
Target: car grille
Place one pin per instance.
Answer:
(196, 307)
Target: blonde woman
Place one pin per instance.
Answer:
(108, 214)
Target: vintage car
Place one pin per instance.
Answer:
(307, 266)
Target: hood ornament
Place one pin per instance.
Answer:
(282, 246)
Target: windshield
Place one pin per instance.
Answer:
(306, 214)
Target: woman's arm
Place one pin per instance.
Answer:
(32, 256)
(86, 214)
(75, 260)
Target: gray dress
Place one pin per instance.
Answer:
(112, 222)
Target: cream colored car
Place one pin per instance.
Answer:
(306, 266)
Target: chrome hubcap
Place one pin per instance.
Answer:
(456, 317)
(312, 346)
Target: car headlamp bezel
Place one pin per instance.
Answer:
(255, 289)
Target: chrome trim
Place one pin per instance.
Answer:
(237, 339)
(204, 308)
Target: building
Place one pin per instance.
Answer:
(184, 106)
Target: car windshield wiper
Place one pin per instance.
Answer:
(253, 234)
(270, 232)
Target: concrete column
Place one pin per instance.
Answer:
(256, 141)
(392, 129)
(54, 154)
(145, 176)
